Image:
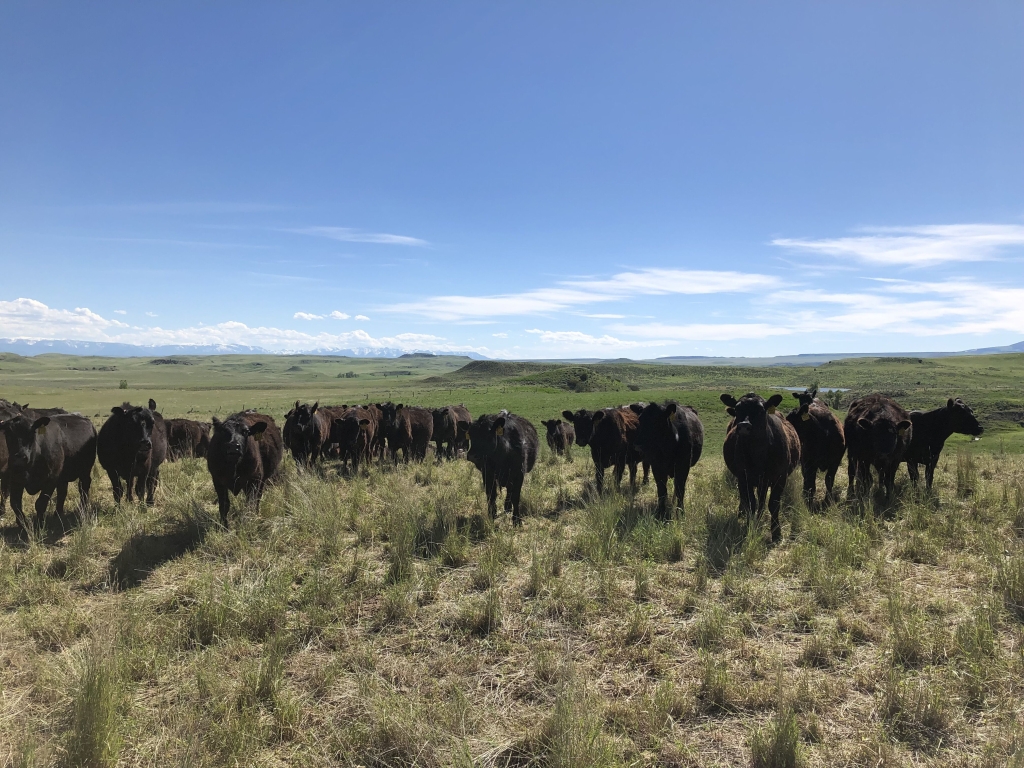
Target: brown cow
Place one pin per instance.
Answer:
(245, 453)
(445, 432)
(561, 435)
(186, 438)
(822, 443)
(761, 450)
(409, 429)
(354, 432)
(308, 428)
(878, 433)
(609, 433)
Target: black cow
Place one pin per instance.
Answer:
(9, 410)
(822, 443)
(354, 432)
(671, 439)
(465, 420)
(245, 453)
(878, 432)
(44, 455)
(761, 450)
(609, 433)
(408, 429)
(186, 438)
(561, 435)
(132, 444)
(445, 431)
(930, 432)
(308, 428)
(503, 447)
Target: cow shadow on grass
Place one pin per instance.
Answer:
(55, 527)
(144, 552)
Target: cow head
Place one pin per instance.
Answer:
(22, 435)
(750, 413)
(231, 437)
(136, 425)
(962, 418)
(654, 426)
(805, 398)
(885, 433)
(487, 438)
(583, 422)
(389, 417)
(637, 408)
(347, 428)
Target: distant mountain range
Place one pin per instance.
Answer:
(30, 347)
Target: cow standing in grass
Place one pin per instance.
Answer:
(45, 454)
(245, 454)
(308, 428)
(761, 450)
(9, 410)
(465, 419)
(408, 429)
(822, 443)
(445, 432)
(560, 435)
(503, 447)
(186, 438)
(354, 433)
(671, 439)
(609, 433)
(878, 432)
(930, 432)
(131, 446)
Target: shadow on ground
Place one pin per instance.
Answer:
(143, 552)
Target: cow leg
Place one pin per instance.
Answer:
(852, 469)
(42, 502)
(62, 494)
(513, 495)
(632, 476)
(5, 491)
(810, 474)
(151, 482)
(141, 484)
(929, 474)
(647, 471)
(16, 500)
(774, 504)
(84, 485)
(661, 481)
(223, 502)
(682, 474)
(830, 482)
(491, 487)
(912, 472)
(115, 485)
(599, 478)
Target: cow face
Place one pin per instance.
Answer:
(137, 426)
(654, 426)
(388, 417)
(305, 421)
(962, 418)
(486, 439)
(804, 399)
(231, 438)
(583, 422)
(22, 435)
(884, 433)
(348, 428)
(750, 413)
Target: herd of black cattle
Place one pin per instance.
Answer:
(45, 449)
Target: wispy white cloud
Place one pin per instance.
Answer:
(28, 318)
(151, 314)
(307, 316)
(500, 335)
(569, 293)
(585, 340)
(361, 317)
(603, 316)
(120, 311)
(336, 315)
(703, 331)
(917, 246)
(349, 235)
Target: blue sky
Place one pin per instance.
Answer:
(522, 180)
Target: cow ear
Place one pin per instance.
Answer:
(796, 395)
(215, 421)
(258, 428)
(598, 415)
(315, 406)
(670, 409)
(546, 423)
(950, 403)
(863, 423)
(296, 405)
(728, 399)
(339, 421)
(40, 423)
(568, 415)
(400, 407)
(117, 410)
(363, 422)
(774, 400)
(813, 392)
(636, 408)
(904, 425)
(731, 411)
(499, 424)
(152, 404)
(557, 421)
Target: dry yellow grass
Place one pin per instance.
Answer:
(385, 621)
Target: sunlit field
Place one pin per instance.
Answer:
(385, 620)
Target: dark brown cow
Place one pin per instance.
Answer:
(671, 439)
(609, 433)
(308, 428)
(822, 443)
(561, 435)
(132, 444)
(445, 432)
(761, 450)
(465, 420)
(45, 454)
(186, 438)
(409, 429)
(9, 410)
(878, 432)
(354, 432)
(245, 453)
(931, 430)
(503, 447)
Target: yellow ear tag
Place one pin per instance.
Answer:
(771, 410)
(806, 417)
(258, 437)
(499, 431)
(41, 430)
(903, 433)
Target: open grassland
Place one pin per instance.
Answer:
(384, 620)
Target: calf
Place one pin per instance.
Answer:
(878, 433)
(761, 450)
(186, 438)
(408, 429)
(561, 435)
(503, 447)
(822, 443)
(245, 453)
(609, 433)
(45, 454)
(9, 410)
(354, 433)
(132, 444)
(445, 431)
(930, 432)
(464, 421)
(671, 439)
(308, 428)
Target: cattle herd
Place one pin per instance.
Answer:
(44, 450)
